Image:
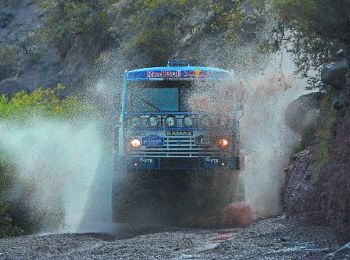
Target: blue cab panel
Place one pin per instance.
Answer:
(178, 73)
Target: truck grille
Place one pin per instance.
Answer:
(177, 147)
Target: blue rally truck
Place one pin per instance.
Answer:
(163, 143)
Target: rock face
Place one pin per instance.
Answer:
(318, 182)
(30, 64)
(323, 196)
(337, 182)
(302, 190)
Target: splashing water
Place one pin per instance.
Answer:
(266, 141)
(58, 163)
(68, 163)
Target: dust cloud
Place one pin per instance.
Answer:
(57, 166)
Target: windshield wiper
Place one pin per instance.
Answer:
(149, 103)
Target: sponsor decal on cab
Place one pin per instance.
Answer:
(164, 74)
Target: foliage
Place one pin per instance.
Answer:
(45, 102)
(154, 27)
(70, 20)
(313, 30)
(239, 18)
(324, 135)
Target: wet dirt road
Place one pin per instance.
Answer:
(274, 238)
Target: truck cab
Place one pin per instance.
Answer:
(165, 126)
(177, 144)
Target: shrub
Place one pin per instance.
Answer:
(324, 134)
(44, 102)
(313, 30)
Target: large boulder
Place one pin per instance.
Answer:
(303, 113)
(334, 74)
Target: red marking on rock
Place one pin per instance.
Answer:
(223, 237)
(237, 215)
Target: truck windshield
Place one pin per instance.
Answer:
(158, 96)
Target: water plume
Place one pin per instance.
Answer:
(267, 142)
(56, 163)
(258, 99)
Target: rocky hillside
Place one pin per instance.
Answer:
(100, 39)
(25, 63)
(318, 181)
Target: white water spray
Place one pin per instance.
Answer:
(261, 98)
(267, 142)
(60, 162)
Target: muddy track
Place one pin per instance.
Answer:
(274, 238)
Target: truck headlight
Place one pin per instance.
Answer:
(223, 143)
(153, 121)
(170, 121)
(187, 121)
(135, 143)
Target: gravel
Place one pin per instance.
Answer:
(273, 238)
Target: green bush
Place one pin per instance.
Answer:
(43, 102)
(324, 135)
(313, 30)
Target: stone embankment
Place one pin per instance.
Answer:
(319, 189)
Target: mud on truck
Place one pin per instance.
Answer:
(174, 156)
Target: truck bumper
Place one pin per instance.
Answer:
(192, 163)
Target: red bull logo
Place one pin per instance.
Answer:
(164, 74)
(196, 74)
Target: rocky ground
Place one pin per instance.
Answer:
(274, 238)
